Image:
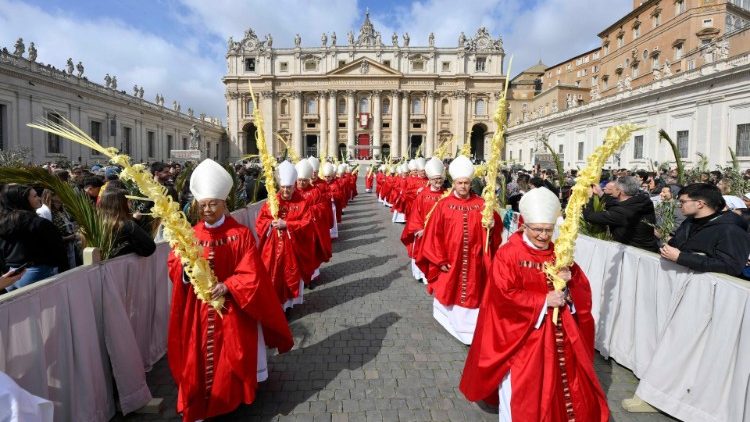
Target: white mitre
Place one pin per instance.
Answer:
(314, 163)
(287, 174)
(210, 181)
(412, 165)
(328, 170)
(420, 162)
(304, 169)
(340, 169)
(434, 168)
(461, 168)
(539, 206)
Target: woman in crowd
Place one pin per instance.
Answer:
(27, 239)
(127, 235)
(64, 225)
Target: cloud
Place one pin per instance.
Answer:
(105, 45)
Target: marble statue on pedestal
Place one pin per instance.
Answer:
(32, 52)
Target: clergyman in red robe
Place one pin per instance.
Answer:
(218, 360)
(320, 211)
(536, 369)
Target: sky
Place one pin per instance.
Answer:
(176, 48)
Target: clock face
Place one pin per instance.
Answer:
(484, 43)
(251, 44)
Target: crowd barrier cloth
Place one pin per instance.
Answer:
(71, 338)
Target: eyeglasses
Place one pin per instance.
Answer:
(537, 231)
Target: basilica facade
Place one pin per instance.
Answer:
(363, 96)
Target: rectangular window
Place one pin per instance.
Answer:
(743, 140)
(417, 65)
(53, 141)
(2, 126)
(580, 151)
(520, 155)
(655, 62)
(682, 142)
(184, 143)
(481, 64)
(311, 65)
(216, 154)
(126, 132)
(342, 125)
(416, 126)
(446, 66)
(208, 149)
(678, 52)
(638, 147)
(283, 67)
(386, 125)
(170, 143)
(249, 65)
(560, 148)
(620, 41)
(511, 155)
(387, 63)
(679, 6)
(656, 20)
(636, 32)
(311, 125)
(151, 143)
(606, 49)
(96, 134)
(707, 23)
(342, 63)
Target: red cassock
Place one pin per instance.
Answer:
(423, 202)
(413, 185)
(337, 194)
(288, 254)
(326, 197)
(213, 358)
(385, 192)
(454, 235)
(397, 194)
(320, 209)
(544, 363)
(342, 182)
(379, 177)
(369, 180)
(353, 184)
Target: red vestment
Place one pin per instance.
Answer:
(454, 236)
(320, 209)
(288, 254)
(337, 195)
(353, 184)
(423, 202)
(544, 361)
(397, 196)
(213, 358)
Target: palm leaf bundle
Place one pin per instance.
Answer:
(677, 158)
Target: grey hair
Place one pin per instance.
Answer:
(628, 185)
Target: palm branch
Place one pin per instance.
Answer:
(677, 158)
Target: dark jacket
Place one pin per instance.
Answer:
(720, 245)
(35, 242)
(132, 239)
(628, 221)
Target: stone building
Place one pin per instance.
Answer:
(31, 91)
(362, 95)
(681, 66)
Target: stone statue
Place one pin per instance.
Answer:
(461, 40)
(378, 39)
(269, 40)
(190, 112)
(69, 66)
(32, 52)
(656, 74)
(114, 82)
(667, 69)
(431, 39)
(20, 48)
(108, 80)
(333, 39)
(297, 40)
(140, 92)
(324, 40)
(202, 116)
(135, 90)
(394, 39)
(195, 137)
(722, 50)
(571, 101)
(627, 83)
(80, 69)
(174, 105)
(350, 37)
(230, 44)
(156, 100)
(406, 39)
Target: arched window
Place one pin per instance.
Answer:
(386, 106)
(249, 106)
(416, 106)
(364, 105)
(284, 106)
(480, 108)
(444, 107)
(342, 106)
(311, 106)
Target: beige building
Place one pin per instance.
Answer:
(364, 95)
(31, 91)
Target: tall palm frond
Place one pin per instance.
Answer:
(677, 158)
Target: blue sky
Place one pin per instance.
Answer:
(176, 47)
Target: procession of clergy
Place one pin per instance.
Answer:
(494, 297)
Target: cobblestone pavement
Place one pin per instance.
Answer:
(367, 347)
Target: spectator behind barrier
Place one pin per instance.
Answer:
(26, 238)
(128, 236)
(708, 239)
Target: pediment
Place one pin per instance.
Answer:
(364, 67)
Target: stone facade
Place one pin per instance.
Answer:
(362, 95)
(31, 91)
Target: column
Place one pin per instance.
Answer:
(323, 113)
(405, 125)
(395, 120)
(430, 141)
(350, 122)
(333, 125)
(268, 119)
(297, 125)
(460, 112)
(377, 123)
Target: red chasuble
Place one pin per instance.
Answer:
(213, 358)
(288, 254)
(320, 209)
(379, 183)
(326, 197)
(423, 202)
(337, 194)
(552, 369)
(454, 235)
(368, 181)
(353, 184)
